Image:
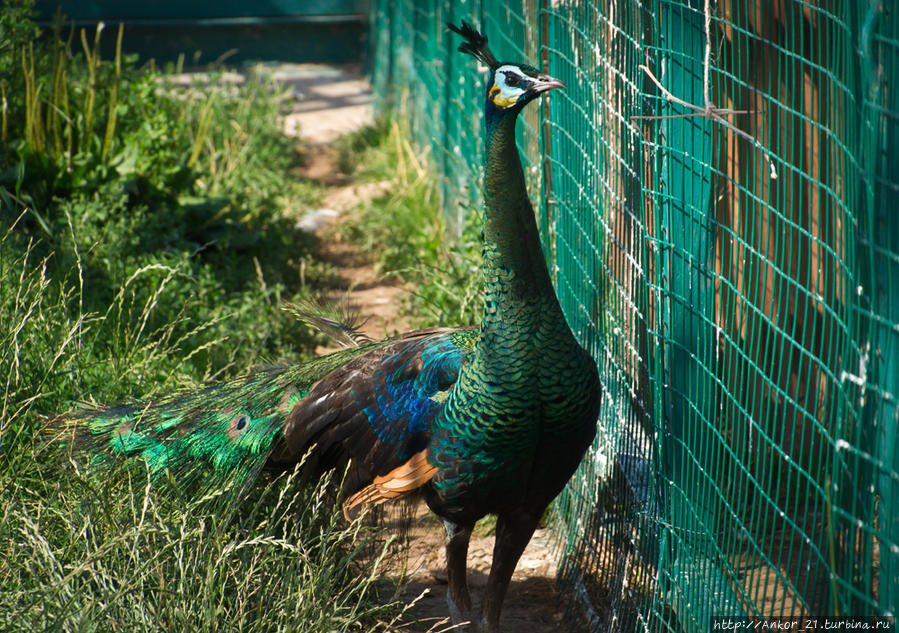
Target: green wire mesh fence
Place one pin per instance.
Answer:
(719, 199)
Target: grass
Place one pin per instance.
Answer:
(147, 243)
(405, 231)
(152, 229)
(83, 555)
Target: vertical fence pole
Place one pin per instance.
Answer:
(691, 444)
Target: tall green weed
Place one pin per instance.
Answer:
(85, 555)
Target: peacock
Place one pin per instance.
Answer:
(491, 419)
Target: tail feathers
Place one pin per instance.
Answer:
(369, 406)
(232, 427)
(338, 321)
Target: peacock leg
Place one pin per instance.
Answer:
(513, 532)
(457, 596)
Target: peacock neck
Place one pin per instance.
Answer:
(515, 270)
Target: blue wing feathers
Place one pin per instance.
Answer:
(405, 386)
(378, 409)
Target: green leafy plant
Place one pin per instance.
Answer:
(181, 198)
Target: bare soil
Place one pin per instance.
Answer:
(331, 102)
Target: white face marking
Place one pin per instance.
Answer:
(502, 93)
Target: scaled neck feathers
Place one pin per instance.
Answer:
(515, 271)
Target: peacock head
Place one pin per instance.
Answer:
(511, 86)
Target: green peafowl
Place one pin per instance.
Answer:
(485, 420)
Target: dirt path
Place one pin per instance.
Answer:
(331, 102)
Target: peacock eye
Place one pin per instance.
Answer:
(241, 422)
(512, 80)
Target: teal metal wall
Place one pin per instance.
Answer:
(325, 31)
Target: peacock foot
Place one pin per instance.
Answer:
(463, 623)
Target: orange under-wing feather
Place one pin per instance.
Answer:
(399, 482)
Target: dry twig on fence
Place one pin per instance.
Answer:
(709, 110)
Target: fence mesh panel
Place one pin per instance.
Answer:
(736, 276)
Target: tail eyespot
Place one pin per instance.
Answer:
(237, 425)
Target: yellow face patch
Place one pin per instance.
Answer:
(499, 100)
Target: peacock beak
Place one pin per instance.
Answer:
(542, 83)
